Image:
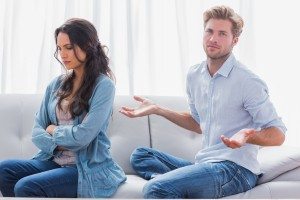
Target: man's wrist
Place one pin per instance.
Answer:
(157, 110)
(251, 137)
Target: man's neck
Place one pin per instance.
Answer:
(215, 64)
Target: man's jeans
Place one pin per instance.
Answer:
(177, 178)
(34, 178)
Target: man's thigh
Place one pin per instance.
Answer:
(205, 180)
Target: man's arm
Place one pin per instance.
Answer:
(182, 119)
(271, 136)
(147, 107)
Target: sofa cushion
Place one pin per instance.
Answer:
(126, 134)
(275, 161)
(17, 113)
(292, 175)
(131, 189)
(271, 190)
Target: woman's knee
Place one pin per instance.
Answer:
(5, 171)
(25, 187)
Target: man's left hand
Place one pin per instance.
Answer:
(239, 139)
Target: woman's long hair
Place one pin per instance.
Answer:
(83, 34)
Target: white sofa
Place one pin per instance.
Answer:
(280, 164)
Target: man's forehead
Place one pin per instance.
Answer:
(219, 25)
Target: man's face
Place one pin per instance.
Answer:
(218, 39)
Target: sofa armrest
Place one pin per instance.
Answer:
(275, 161)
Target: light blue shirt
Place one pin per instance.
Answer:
(98, 174)
(233, 99)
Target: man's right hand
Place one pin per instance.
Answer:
(146, 107)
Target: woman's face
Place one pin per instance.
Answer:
(67, 53)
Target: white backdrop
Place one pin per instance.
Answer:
(152, 43)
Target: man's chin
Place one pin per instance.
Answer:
(217, 56)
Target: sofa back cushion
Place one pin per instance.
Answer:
(17, 113)
(169, 137)
(126, 134)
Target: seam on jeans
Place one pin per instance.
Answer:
(173, 190)
(246, 180)
(234, 175)
(222, 185)
(149, 131)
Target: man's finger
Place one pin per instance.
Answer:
(127, 108)
(138, 98)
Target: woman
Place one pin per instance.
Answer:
(70, 127)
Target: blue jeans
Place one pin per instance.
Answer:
(35, 178)
(173, 177)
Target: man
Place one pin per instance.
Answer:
(230, 106)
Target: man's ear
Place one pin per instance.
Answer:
(235, 40)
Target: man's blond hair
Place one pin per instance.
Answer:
(226, 13)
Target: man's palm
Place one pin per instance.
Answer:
(146, 107)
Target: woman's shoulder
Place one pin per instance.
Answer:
(104, 81)
(56, 82)
(104, 88)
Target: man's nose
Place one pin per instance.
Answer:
(213, 38)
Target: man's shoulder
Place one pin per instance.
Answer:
(196, 68)
(243, 71)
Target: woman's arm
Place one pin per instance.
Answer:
(40, 137)
(76, 137)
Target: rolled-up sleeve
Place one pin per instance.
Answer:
(257, 103)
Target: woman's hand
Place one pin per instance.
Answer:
(50, 129)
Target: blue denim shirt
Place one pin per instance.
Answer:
(98, 174)
(232, 99)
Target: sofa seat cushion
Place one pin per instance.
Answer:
(275, 161)
(131, 189)
(271, 190)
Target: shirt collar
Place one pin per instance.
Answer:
(226, 68)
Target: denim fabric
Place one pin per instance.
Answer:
(177, 178)
(32, 178)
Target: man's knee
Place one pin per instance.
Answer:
(155, 189)
(138, 154)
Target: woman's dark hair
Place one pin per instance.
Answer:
(83, 34)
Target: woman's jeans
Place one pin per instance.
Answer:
(172, 177)
(34, 178)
